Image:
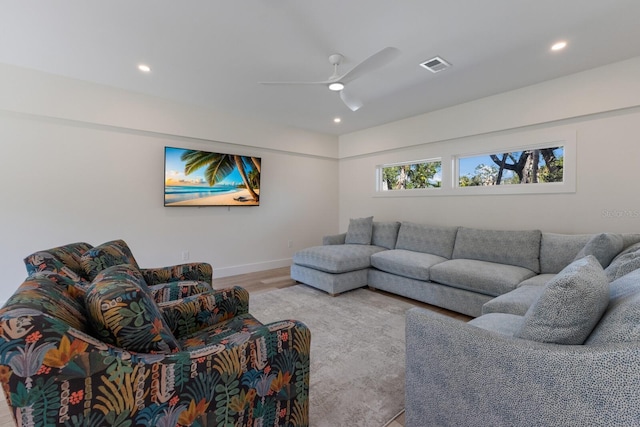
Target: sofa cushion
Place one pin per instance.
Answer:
(604, 247)
(621, 321)
(502, 323)
(538, 280)
(519, 248)
(414, 265)
(481, 276)
(570, 306)
(64, 260)
(559, 250)
(623, 265)
(123, 313)
(385, 234)
(359, 231)
(430, 239)
(516, 302)
(115, 252)
(336, 258)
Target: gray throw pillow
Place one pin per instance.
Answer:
(603, 246)
(570, 306)
(623, 265)
(359, 231)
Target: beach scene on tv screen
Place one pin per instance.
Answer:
(205, 178)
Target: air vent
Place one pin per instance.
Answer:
(435, 64)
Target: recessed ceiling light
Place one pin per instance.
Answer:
(144, 68)
(336, 86)
(337, 120)
(559, 45)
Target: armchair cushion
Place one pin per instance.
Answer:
(172, 291)
(122, 312)
(115, 252)
(570, 306)
(194, 313)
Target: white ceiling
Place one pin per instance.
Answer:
(213, 53)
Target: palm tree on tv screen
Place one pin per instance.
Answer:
(219, 166)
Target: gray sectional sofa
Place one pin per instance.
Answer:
(457, 268)
(572, 359)
(555, 339)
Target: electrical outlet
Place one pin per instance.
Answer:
(290, 244)
(185, 255)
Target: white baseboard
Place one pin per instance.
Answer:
(250, 268)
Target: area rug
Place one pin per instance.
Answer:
(357, 351)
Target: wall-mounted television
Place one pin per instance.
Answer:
(206, 178)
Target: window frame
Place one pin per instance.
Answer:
(449, 166)
(406, 191)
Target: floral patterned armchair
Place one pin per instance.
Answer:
(81, 262)
(108, 354)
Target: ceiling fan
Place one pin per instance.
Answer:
(337, 82)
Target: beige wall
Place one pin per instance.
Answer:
(83, 162)
(601, 107)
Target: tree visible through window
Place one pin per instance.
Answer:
(408, 176)
(541, 165)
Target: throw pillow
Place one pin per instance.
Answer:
(603, 246)
(570, 306)
(115, 252)
(359, 231)
(123, 313)
(623, 265)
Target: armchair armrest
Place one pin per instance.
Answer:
(188, 315)
(46, 364)
(196, 271)
(458, 374)
(335, 239)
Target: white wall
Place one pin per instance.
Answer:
(83, 162)
(602, 107)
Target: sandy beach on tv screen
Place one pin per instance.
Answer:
(239, 198)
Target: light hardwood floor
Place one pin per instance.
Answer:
(265, 281)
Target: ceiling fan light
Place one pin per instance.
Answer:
(337, 86)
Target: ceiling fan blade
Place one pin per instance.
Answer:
(326, 82)
(373, 62)
(350, 101)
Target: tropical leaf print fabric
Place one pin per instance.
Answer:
(64, 260)
(122, 312)
(199, 272)
(106, 255)
(56, 372)
(173, 291)
(197, 312)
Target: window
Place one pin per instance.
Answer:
(411, 175)
(533, 166)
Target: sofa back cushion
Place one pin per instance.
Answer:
(570, 305)
(429, 239)
(385, 234)
(559, 250)
(123, 313)
(519, 248)
(64, 260)
(620, 321)
(115, 252)
(41, 293)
